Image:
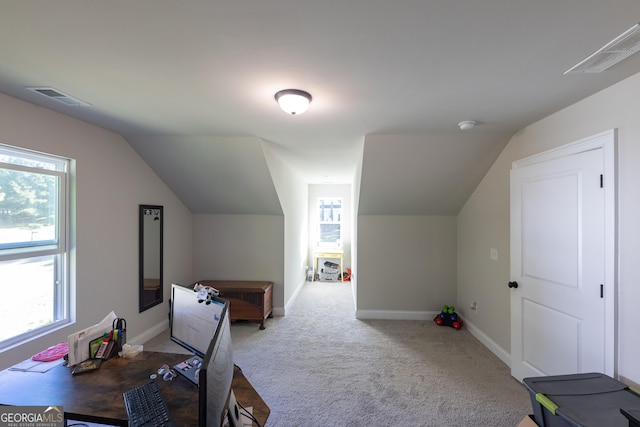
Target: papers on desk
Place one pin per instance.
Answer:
(35, 366)
(79, 342)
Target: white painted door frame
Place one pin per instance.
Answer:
(607, 141)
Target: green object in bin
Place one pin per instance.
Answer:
(546, 402)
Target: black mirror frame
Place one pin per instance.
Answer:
(157, 294)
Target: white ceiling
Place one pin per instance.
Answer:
(195, 79)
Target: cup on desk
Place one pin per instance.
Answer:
(120, 330)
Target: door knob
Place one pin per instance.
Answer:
(513, 284)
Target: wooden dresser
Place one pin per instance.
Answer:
(249, 300)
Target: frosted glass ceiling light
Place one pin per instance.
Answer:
(467, 124)
(293, 101)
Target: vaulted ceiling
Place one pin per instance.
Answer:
(190, 85)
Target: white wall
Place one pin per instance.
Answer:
(293, 193)
(355, 200)
(112, 180)
(483, 223)
(239, 247)
(406, 265)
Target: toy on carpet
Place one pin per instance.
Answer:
(449, 317)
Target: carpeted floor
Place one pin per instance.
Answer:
(319, 366)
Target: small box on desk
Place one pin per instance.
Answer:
(580, 400)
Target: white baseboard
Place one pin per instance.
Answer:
(488, 342)
(281, 311)
(395, 315)
(149, 333)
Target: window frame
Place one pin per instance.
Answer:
(58, 248)
(319, 205)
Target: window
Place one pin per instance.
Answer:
(34, 285)
(330, 220)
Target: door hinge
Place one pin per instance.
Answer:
(601, 181)
(601, 291)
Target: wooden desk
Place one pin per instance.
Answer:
(326, 254)
(97, 396)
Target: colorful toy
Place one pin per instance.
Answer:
(449, 317)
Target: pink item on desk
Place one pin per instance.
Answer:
(52, 353)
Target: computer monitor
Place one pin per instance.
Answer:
(193, 323)
(216, 374)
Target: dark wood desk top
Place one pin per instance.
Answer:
(97, 396)
(247, 396)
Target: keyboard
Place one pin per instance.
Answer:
(146, 407)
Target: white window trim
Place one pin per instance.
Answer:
(329, 245)
(62, 304)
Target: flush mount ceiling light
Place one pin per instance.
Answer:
(293, 101)
(467, 124)
(622, 47)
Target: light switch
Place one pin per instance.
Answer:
(494, 254)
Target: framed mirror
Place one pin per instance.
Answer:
(151, 290)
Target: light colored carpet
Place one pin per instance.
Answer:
(319, 366)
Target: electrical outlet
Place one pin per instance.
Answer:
(494, 254)
(474, 306)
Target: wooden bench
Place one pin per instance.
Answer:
(248, 300)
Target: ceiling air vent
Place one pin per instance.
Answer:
(56, 95)
(622, 47)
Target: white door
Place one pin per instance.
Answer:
(559, 242)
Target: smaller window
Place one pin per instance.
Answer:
(329, 221)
